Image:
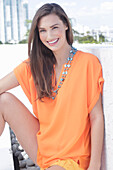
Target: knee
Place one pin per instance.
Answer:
(5, 98)
(6, 102)
(55, 167)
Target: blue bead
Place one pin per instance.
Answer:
(65, 72)
(75, 49)
(68, 58)
(71, 51)
(55, 91)
(68, 65)
(61, 79)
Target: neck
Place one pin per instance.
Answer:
(61, 55)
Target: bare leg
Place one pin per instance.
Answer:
(21, 121)
(55, 167)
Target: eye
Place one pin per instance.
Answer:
(55, 28)
(42, 31)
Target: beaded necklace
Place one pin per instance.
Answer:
(65, 71)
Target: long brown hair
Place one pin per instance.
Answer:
(42, 58)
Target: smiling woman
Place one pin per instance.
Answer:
(52, 32)
(64, 86)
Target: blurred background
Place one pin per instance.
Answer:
(91, 20)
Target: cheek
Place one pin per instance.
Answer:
(42, 37)
(59, 33)
(62, 33)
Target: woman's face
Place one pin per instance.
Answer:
(52, 32)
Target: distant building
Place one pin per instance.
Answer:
(13, 14)
(107, 32)
(84, 30)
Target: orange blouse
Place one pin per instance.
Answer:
(64, 122)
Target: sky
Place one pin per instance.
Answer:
(91, 13)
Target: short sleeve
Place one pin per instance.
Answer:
(94, 81)
(22, 73)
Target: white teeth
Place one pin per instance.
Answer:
(51, 42)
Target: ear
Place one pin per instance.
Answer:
(66, 27)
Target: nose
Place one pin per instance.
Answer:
(49, 35)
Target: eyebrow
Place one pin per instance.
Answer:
(50, 26)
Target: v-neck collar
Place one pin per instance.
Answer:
(55, 84)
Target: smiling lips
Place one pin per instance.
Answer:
(53, 42)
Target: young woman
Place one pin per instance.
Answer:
(64, 87)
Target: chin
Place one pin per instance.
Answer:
(53, 48)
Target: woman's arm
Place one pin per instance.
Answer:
(97, 134)
(8, 82)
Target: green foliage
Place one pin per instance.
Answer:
(101, 38)
(28, 23)
(7, 42)
(81, 38)
(1, 42)
(82, 34)
(88, 32)
(24, 41)
(27, 34)
(75, 32)
(85, 39)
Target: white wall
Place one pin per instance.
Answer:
(105, 54)
(10, 57)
